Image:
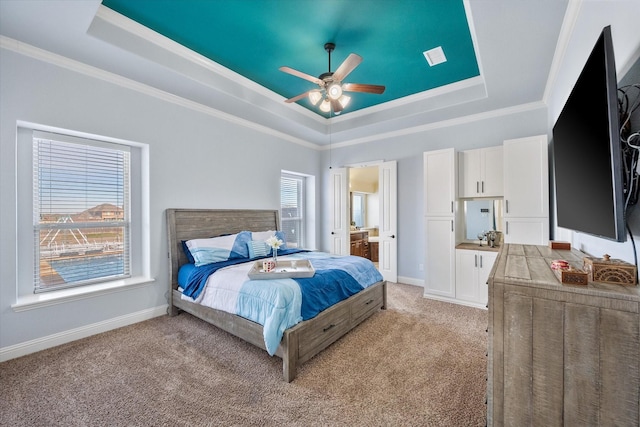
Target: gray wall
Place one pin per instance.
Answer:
(196, 160)
(591, 18)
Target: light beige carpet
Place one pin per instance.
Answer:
(419, 363)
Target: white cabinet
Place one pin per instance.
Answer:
(526, 231)
(481, 172)
(440, 257)
(526, 191)
(472, 272)
(439, 182)
(439, 209)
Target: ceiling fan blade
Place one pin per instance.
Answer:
(358, 87)
(299, 97)
(302, 75)
(335, 104)
(346, 67)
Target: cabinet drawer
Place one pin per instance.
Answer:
(319, 335)
(364, 303)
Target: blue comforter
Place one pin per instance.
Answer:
(281, 303)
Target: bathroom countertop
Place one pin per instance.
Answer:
(476, 247)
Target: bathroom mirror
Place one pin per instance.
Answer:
(481, 216)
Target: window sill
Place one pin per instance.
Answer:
(45, 299)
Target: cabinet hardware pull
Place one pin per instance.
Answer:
(476, 258)
(333, 232)
(328, 327)
(506, 202)
(369, 302)
(480, 261)
(477, 187)
(451, 225)
(507, 231)
(451, 206)
(483, 186)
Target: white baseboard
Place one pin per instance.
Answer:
(456, 301)
(54, 340)
(411, 281)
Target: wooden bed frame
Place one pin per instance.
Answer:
(300, 342)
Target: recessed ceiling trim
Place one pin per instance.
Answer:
(90, 71)
(441, 124)
(409, 99)
(107, 20)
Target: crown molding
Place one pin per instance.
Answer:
(94, 72)
(568, 24)
(442, 124)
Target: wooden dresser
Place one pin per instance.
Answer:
(560, 354)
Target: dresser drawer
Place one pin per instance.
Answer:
(321, 334)
(364, 303)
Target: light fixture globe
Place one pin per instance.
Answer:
(334, 91)
(315, 97)
(325, 106)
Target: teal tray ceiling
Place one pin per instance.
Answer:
(255, 37)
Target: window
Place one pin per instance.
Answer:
(292, 212)
(81, 205)
(358, 209)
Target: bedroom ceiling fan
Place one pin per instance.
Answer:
(331, 90)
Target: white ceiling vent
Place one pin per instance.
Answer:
(435, 56)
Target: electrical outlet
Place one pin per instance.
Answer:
(420, 267)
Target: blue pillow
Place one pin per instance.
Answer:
(187, 252)
(258, 248)
(217, 249)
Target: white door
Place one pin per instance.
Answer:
(467, 275)
(526, 177)
(440, 182)
(487, 259)
(492, 184)
(388, 228)
(440, 257)
(339, 228)
(526, 231)
(469, 170)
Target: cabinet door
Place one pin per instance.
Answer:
(440, 256)
(469, 173)
(487, 259)
(526, 177)
(492, 179)
(526, 231)
(439, 182)
(467, 263)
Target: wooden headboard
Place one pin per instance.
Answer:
(186, 224)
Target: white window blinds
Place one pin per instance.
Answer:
(292, 200)
(81, 211)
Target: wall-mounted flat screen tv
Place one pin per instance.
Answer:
(586, 151)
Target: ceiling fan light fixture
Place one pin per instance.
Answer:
(344, 100)
(325, 106)
(334, 91)
(315, 97)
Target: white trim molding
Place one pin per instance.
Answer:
(39, 344)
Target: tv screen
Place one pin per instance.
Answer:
(586, 150)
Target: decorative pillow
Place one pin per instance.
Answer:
(186, 251)
(264, 235)
(258, 248)
(217, 249)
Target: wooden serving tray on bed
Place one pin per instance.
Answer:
(284, 269)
